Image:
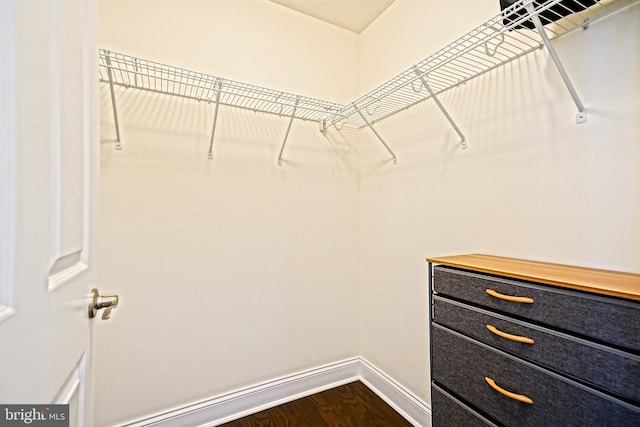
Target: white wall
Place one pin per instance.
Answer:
(411, 30)
(532, 183)
(234, 271)
(231, 271)
(253, 41)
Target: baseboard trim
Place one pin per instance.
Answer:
(249, 400)
(413, 409)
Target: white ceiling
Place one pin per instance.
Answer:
(352, 15)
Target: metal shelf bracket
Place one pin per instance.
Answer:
(395, 159)
(286, 135)
(215, 119)
(118, 143)
(463, 142)
(581, 116)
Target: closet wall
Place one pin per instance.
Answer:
(231, 271)
(531, 184)
(235, 271)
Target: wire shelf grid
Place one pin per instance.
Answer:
(131, 72)
(498, 41)
(504, 38)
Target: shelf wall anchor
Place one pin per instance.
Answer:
(286, 135)
(113, 102)
(395, 159)
(215, 119)
(581, 116)
(463, 140)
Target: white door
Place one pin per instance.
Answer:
(48, 171)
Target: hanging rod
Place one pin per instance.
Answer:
(504, 38)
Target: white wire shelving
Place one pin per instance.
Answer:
(483, 49)
(517, 30)
(118, 69)
(137, 73)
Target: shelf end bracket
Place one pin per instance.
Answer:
(286, 135)
(395, 159)
(581, 116)
(118, 144)
(463, 140)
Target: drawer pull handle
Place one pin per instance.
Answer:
(495, 294)
(516, 338)
(519, 397)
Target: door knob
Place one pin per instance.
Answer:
(98, 302)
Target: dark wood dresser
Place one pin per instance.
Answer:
(523, 343)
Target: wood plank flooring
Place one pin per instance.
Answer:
(350, 405)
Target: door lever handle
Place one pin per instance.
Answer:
(98, 302)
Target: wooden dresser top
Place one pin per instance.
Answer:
(604, 282)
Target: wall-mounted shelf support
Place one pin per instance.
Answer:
(286, 135)
(463, 142)
(117, 69)
(113, 101)
(581, 116)
(215, 119)
(504, 38)
(395, 159)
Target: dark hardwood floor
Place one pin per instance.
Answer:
(350, 405)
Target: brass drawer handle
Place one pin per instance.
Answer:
(516, 338)
(495, 294)
(519, 397)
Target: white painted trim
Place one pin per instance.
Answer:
(66, 275)
(7, 156)
(252, 399)
(248, 400)
(6, 312)
(73, 392)
(412, 408)
(70, 388)
(55, 135)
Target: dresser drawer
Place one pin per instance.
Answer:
(613, 370)
(447, 411)
(606, 319)
(461, 365)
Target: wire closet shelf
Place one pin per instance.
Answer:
(517, 30)
(504, 38)
(131, 72)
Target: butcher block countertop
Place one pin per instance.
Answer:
(604, 282)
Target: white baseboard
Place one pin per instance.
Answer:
(413, 409)
(249, 400)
